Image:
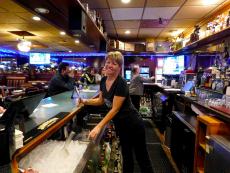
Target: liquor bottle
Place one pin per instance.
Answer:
(228, 20)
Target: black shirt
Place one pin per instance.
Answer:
(59, 84)
(127, 117)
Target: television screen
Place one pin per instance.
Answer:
(145, 75)
(128, 74)
(144, 69)
(173, 65)
(39, 58)
(160, 62)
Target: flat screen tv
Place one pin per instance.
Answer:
(173, 65)
(39, 58)
(144, 69)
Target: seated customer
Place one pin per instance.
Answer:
(88, 76)
(136, 87)
(62, 81)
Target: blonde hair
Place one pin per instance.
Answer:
(115, 56)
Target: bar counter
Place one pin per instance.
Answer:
(63, 108)
(205, 108)
(173, 92)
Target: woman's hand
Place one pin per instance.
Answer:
(30, 170)
(2, 110)
(94, 133)
(80, 102)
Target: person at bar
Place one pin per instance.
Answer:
(89, 76)
(136, 87)
(62, 81)
(114, 93)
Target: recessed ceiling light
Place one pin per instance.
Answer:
(174, 33)
(62, 33)
(125, 1)
(210, 2)
(70, 51)
(127, 32)
(36, 18)
(42, 10)
(77, 41)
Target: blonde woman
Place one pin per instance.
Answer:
(114, 92)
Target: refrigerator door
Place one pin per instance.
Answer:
(218, 155)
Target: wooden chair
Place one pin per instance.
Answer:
(15, 81)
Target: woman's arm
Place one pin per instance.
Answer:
(93, 102)
(117, 103)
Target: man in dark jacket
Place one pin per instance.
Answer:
(62, 81)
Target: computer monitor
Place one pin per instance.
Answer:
(145, 75)
(128, 74)
(144, 69)
(21, 107)
(188, 86)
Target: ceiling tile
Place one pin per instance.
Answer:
(163, 12)
(164, 3)
(105, 14)
(184, 23)
(128, 24)
(132, 4)
(126, 13)
(199, 2)
(193, 12)
(111, 31)
(155, 23)
(96, 3)
(108, 24)
(149, 32)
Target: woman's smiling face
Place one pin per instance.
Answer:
(112, 67)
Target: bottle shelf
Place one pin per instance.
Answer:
(205, 41)
(209, 90)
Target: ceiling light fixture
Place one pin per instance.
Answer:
(36, 18)
(62, 33)
(174, 33)
(42, 10)
(77, 41)
(70, 51)
(125, 1)
(210, 2)
(24, 45)
(127, 32)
